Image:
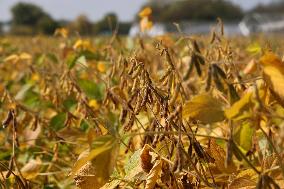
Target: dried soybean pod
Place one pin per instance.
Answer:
(165, 82)
(189, 149)
(209, 79)
(219, 71)
(217, 81)
(229, 153)
(213, 37)
(234, 96)
(220, 21)
(11, 165)
(195, 46)
(271, 182)
(135, 85)
(186, 76)
(156, 108)
(113, 70)
(138, 104)
(198, 149)
(8, 119)
(197, 67)
(145, 97)
(200, 59)
(122, 116)
(175, 95)
(169, 59)
(127, 126)
(131, 69)
(20, 182)
(137, 71)
(175, 113)
(165, 75)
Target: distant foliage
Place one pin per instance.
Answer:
(195, 10)
(276, 7)
(29, 19)
(82, 24)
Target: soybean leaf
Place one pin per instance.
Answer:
(204, 108)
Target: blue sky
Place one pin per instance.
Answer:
(94, 9)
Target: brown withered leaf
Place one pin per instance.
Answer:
(146, 159)
(154, 175)
(219, 155)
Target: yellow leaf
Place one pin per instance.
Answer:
(145, 12)
(154, 174)
(250, 67)
(273, 70)
(101, 66)
(94, 104)
(31, 169)
(245, 179)
(204, 108)
(35, 77)
(62, 32)
(12, 58)
(83, 45)
(25, 56)
(15, 58)
(254, 48)
(104, 144)
(145, 24)
(94, 167)
(238, 106)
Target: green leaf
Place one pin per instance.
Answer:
(52, 57)
(69, 103)
(91, 55)
(133, 162)
(71, 60)
(28, 96)
(57, 122)
(204, 108)
(133, 166)
(246, 134)
(23, 91)
(84, 125)
(92, 90)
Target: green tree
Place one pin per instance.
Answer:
(82, 25)
(1, 28)
(28, 18)
(47, 25)
(272, 8)
(107, 24)
(194, 10)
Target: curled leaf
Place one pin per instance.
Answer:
(146, 159)
(273, 70)
(154, 174)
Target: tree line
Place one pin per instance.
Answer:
(29, 19)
